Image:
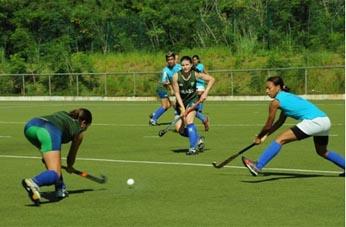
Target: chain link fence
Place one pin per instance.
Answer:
(237, 82)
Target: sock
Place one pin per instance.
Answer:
(59, 183)
(47, 177)
(200, 116)
(269, 153)
(336, 159)
(200, 107)
(158, 113)
(193, 135)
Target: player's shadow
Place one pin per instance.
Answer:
(49, 197)
(163, 123)
(283, 176)
(184, 150)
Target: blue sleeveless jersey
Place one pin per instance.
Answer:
(297, 107)
(200, 69)
(167, 73)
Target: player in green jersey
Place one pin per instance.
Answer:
(48, 133)
(185, 89)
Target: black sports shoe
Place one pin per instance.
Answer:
(251, 166)
(33, 190)
(200, 144)
(342, 174)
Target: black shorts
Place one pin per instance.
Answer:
(320, 140)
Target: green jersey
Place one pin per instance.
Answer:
(187, 88)
(68, 126)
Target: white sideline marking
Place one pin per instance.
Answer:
(176, 163)
(5, 136)
(146, 125)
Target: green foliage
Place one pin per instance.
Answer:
(83, 36)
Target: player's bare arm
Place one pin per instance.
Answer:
(177, 93)
(71, 158)
(210, 80)
(273, 107)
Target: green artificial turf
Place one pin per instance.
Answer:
(298, 188)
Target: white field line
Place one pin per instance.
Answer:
(178, 164)
(5, 136)
(146, 125)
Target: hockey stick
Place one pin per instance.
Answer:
(226, 161)
(98, 179)
(172, 124)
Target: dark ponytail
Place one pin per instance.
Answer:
(277, 80)
(81, 114)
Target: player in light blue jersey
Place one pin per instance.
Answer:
(313, 122)
(199, 67)
(165, 87)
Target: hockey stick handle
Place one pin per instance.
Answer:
(101, 180)
(192, 108)
(165, 130)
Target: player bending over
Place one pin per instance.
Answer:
(313, 122)
(184, 85)
(48, 133)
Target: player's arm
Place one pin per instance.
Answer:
(210, 81)
(270, 126)
(71, 157)
(177, 93)
(170, 88)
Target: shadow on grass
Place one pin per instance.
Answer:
(284, 176)
(163, 123)
(49, 197)
(184, 150)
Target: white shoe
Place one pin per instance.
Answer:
(33, 190)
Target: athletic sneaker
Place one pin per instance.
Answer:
(192, 151)
(342, 174)
(152, 122)
(206, 124)
(251, 166)
(33, 190)
(61, 193)
(200, 144)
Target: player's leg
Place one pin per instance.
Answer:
(321, 143)
(180, 125)
(49, 143)
(192, 133)
(165, 105)
(199, 113)
(270, 152)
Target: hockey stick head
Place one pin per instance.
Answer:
(229, 159)
(216, 166)
(162, 132)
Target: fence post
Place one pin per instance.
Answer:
(232, 85)
(306, 81)
(49, 85)
(134, 84)
(77, 85)
(105, 84)
(23, 81)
